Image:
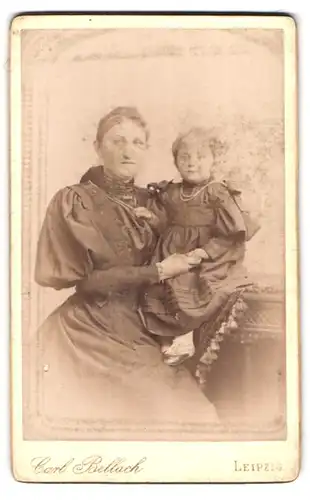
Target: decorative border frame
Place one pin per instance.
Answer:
(23, 157)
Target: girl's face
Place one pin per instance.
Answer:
(194, 161)
(122, 148)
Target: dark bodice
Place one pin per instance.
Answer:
(88, 227)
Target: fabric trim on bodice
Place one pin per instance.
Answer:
(114, 186)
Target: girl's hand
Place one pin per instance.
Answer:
(177, 264)
(199, 252)
(143, 213)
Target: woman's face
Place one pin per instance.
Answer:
(194, 161)
(122, 148)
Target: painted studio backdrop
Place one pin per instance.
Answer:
(228, 79)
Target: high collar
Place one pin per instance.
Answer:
(114, 185)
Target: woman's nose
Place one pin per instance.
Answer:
(192, 161)
(126, 151)
(126, 154)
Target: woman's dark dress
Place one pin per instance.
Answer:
(214, 221)
(97, 363)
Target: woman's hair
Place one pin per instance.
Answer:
(116, 116)
(205, 136)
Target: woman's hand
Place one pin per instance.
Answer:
(177, 264)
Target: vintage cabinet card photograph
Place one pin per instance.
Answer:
(154, 248)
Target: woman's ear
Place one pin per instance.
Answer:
(98, 151)
(96, 147)
(214, 167)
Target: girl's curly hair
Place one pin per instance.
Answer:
(211, 137)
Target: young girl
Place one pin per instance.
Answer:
(200, 217)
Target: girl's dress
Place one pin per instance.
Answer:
(211, 218)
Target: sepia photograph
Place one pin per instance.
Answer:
(154, 248)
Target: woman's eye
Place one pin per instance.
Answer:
(118, 140)
(183, 157)
(138, 142)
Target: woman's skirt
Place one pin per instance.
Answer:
(98, 374)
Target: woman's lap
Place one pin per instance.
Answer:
(100, 364)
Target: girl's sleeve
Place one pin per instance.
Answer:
(233, 226)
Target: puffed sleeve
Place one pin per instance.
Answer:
(233, 225)
(63, 253)
(67, 239)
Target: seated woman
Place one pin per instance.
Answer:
(98, 362)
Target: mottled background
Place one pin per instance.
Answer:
(228, 79)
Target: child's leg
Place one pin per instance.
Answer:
(181, 349)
